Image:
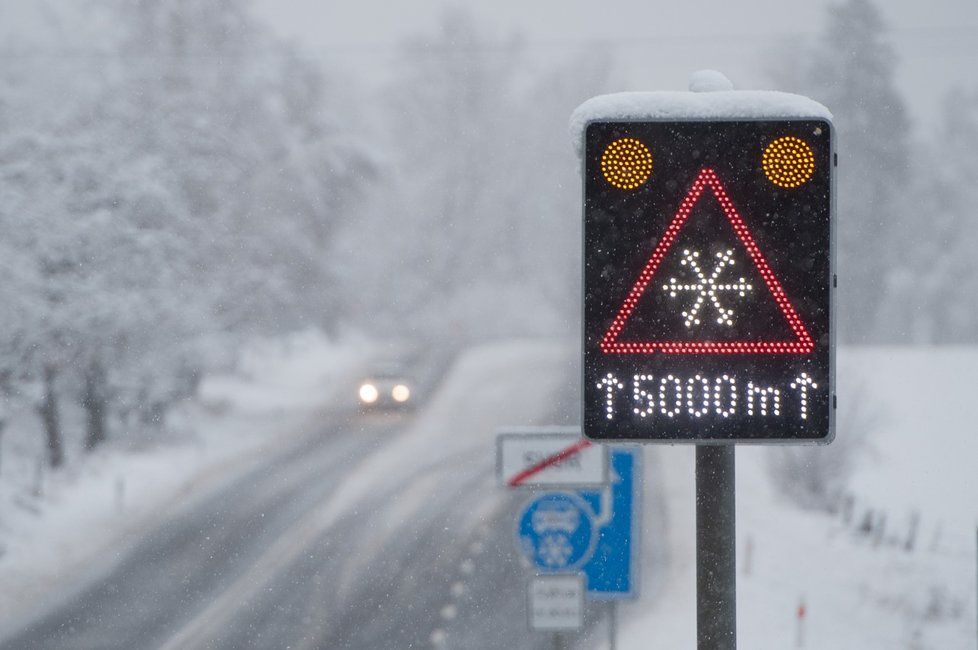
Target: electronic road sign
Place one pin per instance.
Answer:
(708, 280)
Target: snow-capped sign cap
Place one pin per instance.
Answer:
(716, 104)
(709, 81)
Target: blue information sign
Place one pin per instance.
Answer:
(556, 531)
(588, 531)
(610, 569)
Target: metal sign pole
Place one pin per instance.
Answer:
(612, 625)
(716, 549)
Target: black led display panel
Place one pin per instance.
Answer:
(708, 281)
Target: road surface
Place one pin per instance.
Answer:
(288, 556)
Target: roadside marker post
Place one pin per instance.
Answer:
(800, 632)
(709, 290)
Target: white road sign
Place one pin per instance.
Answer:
(556, 602)
(549, 457)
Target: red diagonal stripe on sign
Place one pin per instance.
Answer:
(548, 461)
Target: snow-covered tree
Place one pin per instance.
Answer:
(184, 198)
(851, 70)
(936, 289)
(474, 231)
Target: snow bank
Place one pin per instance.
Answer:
(719, 105)
(859, 591)
(279, 375)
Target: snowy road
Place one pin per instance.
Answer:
(379, 531)
(190, 559)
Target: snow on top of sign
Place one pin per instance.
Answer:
(703, 81)
(720, 104)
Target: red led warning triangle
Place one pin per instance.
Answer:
(802, 343)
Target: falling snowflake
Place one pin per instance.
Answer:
(555, 550)
(707, 287)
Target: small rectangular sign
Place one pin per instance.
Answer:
(556, 602)
(594, 531)
(518, 452)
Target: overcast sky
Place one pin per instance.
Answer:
(657, 43)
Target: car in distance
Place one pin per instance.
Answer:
(385, 389)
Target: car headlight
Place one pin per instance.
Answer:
(368, 393)
(400, 393)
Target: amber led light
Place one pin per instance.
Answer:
(626, 163)
(788, 162)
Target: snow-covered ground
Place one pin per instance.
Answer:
(86, 514)
(859, 592)
(80, 526)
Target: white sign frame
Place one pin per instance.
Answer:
(570, 621)
(543, 442)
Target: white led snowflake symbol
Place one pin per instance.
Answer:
(707, 287)
(555, 550)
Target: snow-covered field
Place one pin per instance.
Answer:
(859, 591)
(86, 513)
